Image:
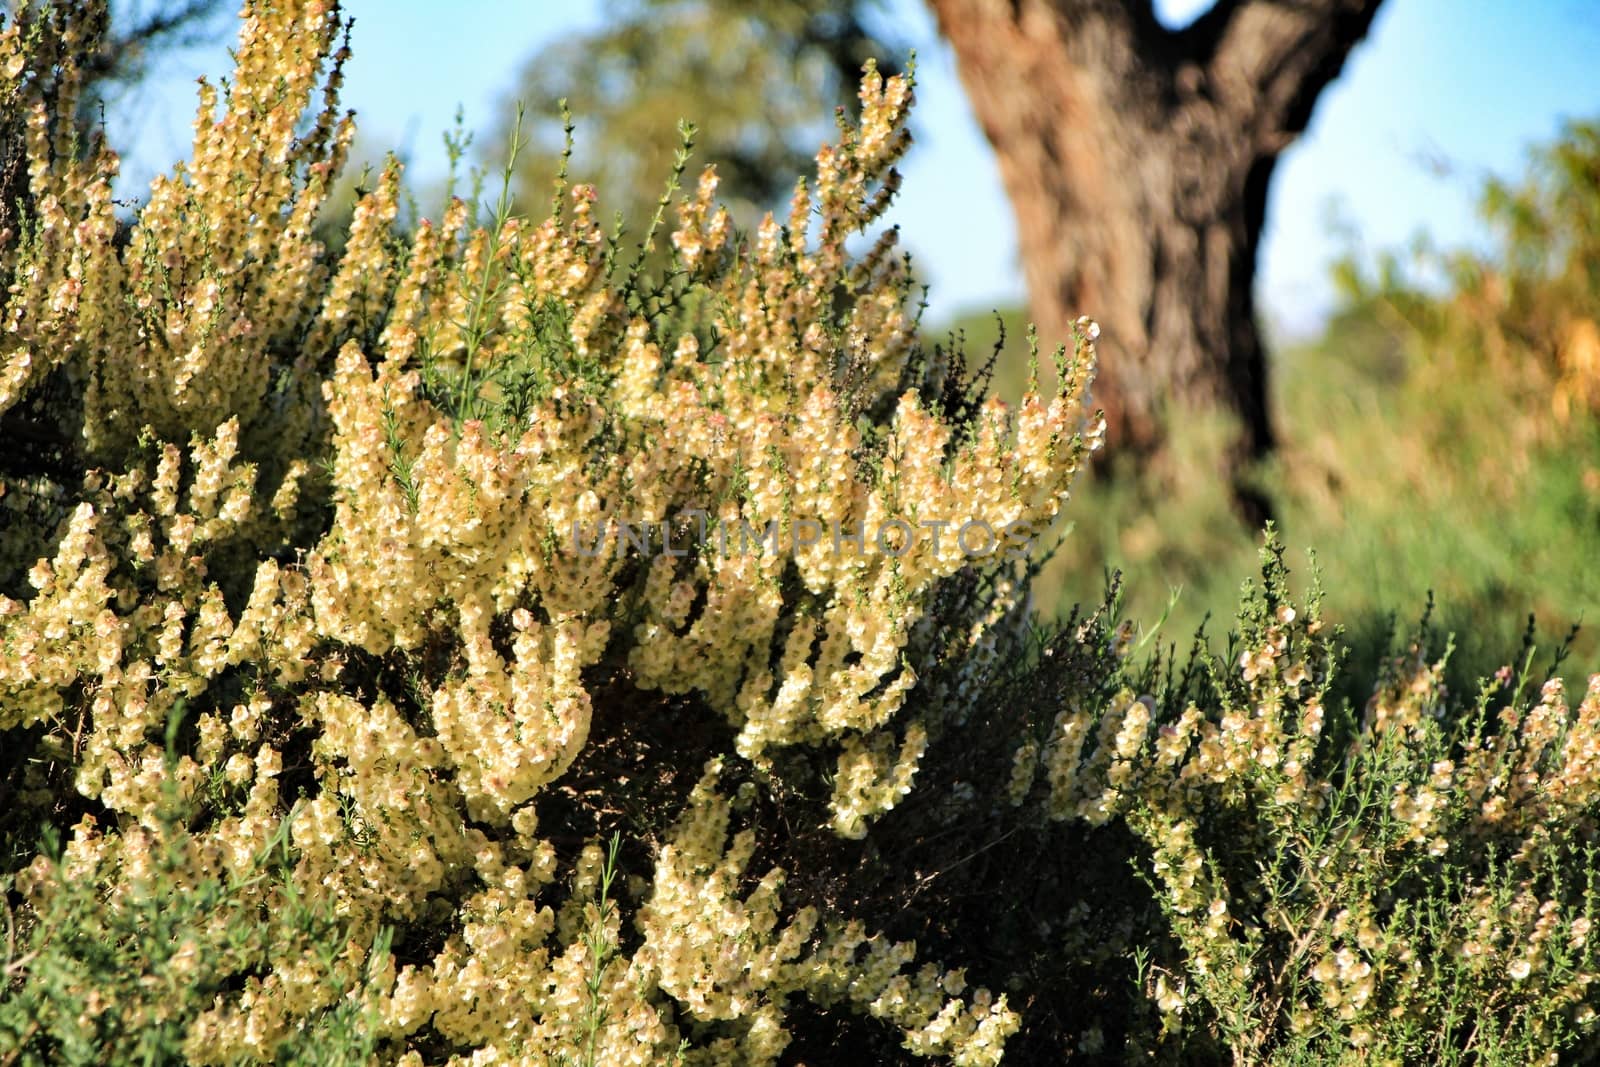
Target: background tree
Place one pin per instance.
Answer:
(1137, 159)
(757, 81)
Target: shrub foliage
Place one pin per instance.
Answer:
(473, 645)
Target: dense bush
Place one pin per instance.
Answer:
(325, 620)
(473, 646)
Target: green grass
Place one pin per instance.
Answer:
(1402, 480)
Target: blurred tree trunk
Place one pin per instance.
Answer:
(1137, 161)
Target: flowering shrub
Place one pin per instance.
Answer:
(314, 631)
(1410, 883)
(470, 646)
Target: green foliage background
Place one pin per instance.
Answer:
(1438, 440)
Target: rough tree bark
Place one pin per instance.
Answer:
(1137, 161)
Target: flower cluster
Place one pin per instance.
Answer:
(311, 609)
(1320, 876)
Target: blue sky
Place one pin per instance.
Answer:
(1442, 93)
